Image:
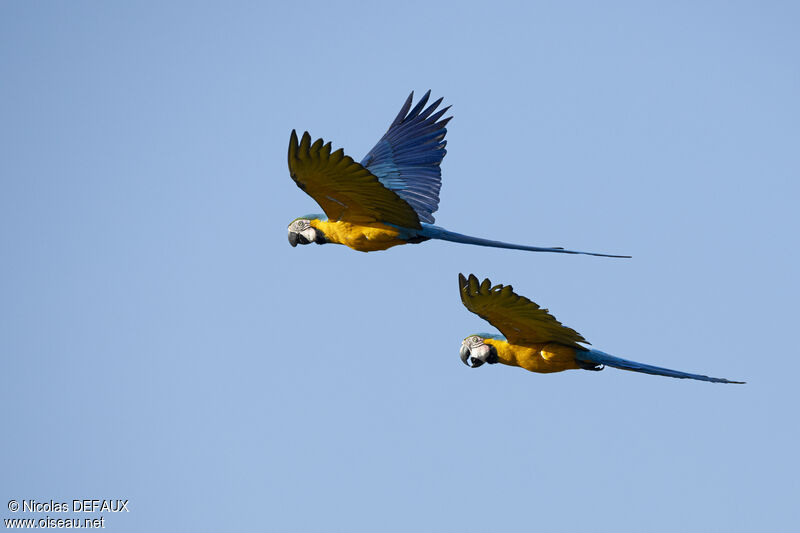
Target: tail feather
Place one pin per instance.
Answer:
(435, 232)
(602, 358)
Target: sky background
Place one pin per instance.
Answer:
(161, 342)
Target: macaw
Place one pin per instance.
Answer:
(534, 339)
(387, 199)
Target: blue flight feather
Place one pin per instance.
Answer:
(602, 358)
(436, 232)
(407, 159)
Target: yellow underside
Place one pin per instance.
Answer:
(364, 238)
(542, 358)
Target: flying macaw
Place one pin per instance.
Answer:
(534, 339)
(387, 199)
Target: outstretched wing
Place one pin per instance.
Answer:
(519, 319)
(407, 158)
(344, 189)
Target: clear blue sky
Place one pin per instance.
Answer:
(162, 342)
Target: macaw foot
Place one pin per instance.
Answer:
(595, 367)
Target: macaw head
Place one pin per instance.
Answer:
(301, 231)
(474, 351)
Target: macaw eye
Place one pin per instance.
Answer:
(476, 340)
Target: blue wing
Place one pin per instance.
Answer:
(436, 232)
(407, 158)
(602, 358)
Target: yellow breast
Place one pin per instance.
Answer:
(542, 358)
(364, 238)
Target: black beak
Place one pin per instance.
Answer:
(466, 359)
(293, 238)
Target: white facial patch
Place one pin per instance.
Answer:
(309, 233)
(481, 352)
(473, 342)
(299, 225)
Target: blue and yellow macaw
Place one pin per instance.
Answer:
(387, 199)
(534, 339)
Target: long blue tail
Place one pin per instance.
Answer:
(435, 232)
(602, 358)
